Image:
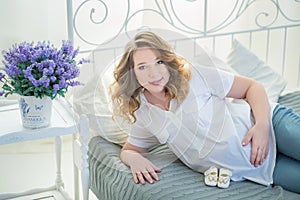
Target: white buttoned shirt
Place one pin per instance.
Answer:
(206, 128)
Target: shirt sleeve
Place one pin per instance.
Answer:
(140, 136)
(218, 81)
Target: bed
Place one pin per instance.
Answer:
(258, 39)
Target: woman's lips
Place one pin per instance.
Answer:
(157, 82)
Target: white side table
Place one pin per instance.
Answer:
(12, 131)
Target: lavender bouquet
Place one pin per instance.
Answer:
(39, 69)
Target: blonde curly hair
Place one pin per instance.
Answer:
(125, 89)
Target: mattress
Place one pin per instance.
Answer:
(110, 179)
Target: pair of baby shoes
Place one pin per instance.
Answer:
(221, 178)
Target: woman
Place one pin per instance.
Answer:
(206, 116)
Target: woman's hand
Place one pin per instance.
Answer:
(143, 170)
(258, 135)
(255, 94)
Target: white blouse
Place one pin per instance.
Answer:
(206, 128)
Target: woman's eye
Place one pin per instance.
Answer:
(160, 62)
(141, 67)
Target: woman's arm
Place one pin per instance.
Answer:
(142, 169)
(256, 96)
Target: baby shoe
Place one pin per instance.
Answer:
(211, 176)
(224, 178)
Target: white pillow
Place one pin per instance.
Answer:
(92, 100)
(208, 58)
(246, 63)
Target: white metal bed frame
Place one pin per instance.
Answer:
(278, 21)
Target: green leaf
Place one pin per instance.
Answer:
(28, 91)
(7, 87)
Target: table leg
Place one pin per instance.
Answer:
(58, 182)
(75, 171)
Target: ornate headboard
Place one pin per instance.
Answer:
(270, 28)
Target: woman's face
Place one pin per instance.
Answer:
(150, 70)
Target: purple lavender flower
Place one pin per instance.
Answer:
(55, 87)
(44, 81)
(62, 83)
(34, 82)
(59, 71)
(74, 83)
(40, 69)
(27, 72)
(13, 70)
(53, 78)
(2, 76)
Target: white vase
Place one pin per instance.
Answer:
(35, 112)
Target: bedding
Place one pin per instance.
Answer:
(111, 179)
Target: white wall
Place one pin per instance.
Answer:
(32, 20)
